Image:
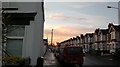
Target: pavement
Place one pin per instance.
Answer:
(50, 60)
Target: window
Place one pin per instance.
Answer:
(15, 31)
(112, 35)
(74, 50)
(14, 47)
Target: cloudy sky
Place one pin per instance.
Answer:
(70, 19)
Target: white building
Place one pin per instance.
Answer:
(114, 38)
(32, 44)
(119, 12)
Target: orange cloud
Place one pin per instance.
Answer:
(57, 16)
(61, 16)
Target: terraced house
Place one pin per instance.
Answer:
(102, 41)
(96, 40)
(114, 38)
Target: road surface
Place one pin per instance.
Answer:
(89, 61)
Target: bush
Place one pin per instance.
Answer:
(12, 59)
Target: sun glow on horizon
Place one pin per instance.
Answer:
(70, 19)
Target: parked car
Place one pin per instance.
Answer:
(71, 55)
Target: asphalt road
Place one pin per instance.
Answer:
(89, 61)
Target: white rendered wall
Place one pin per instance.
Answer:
(119, 12)
(33, 40)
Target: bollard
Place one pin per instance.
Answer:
(39, 62)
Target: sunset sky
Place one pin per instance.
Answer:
(70, 19)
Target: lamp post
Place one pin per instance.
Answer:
(118, 12)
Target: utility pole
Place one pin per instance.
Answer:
(51, 37)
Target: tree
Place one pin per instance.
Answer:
(6, 21)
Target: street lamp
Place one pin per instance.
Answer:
(118, 12)
(112, 7)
